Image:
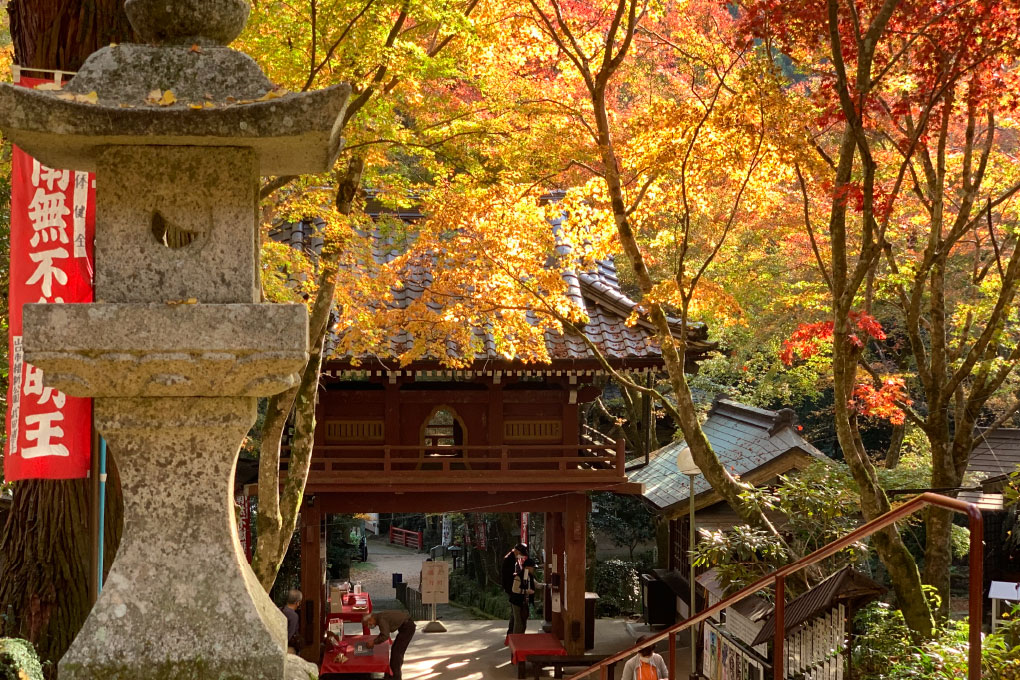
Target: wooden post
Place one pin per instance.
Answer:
(557, 550)
(313, 579)
(779, 641)
(576, 533)
(547, 570)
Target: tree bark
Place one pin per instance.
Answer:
(895, 450)
(54, 34)
(278, 509)
(45, 543)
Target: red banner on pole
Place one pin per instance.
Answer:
(49, 435)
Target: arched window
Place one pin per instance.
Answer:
(443, 429)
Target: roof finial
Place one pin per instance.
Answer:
(186, 22)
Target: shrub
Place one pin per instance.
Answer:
(18, 660)
(618, 587)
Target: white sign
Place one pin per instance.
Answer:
(435, 582)
(447, 530)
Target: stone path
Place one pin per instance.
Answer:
(471, 649)
(376, 577)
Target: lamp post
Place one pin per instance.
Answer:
(686, 465)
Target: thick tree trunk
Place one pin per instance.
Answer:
(59, 34)
(45, 543)
(906, 580)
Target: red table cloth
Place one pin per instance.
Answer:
(348, 613)
(523, 645)
(378, 662)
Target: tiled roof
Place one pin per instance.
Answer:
(744, 438)
(998, 456)
(597, 291)
(753, 607)
(846, 586)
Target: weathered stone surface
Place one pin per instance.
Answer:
(176, 224)
(159, 350)
(299, 669)
(180, 601)
(127, 74)
(176, 335)
(183, 22)
(293, 134)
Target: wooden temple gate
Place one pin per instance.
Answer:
(432, 441)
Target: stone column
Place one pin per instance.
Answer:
(177, 346)
(180, 587)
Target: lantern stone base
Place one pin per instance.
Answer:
(180, 601)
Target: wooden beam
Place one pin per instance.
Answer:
(576, 534)
(557, 551)
(438, 501)
(439, 484)
(313, 578)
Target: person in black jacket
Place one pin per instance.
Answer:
(522, 592)
(509, 568)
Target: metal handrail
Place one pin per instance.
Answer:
(778, 578)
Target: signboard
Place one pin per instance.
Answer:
(723, 658)
(480, 538)
(524, 527)
(51, 243)
(447, 530)
(435, 582)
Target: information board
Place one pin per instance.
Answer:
(435, 582)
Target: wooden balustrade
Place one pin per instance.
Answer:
(587, 461)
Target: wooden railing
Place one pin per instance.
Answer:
(406, 538)
(570, 460)
(415, 609)
(778, 580)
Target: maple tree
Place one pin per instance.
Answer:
(912, 176)
(376, 46)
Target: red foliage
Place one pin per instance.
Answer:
(810, 338)
(883, 402)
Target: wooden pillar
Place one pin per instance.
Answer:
(495, 415)
(313, 578)
(556, 553)
(575, 531)
(547, 569)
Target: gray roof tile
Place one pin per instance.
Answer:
(743, 437)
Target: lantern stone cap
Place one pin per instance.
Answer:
(291, 134)
(188, 21)
(167, 350)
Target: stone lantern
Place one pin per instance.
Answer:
(177, 346)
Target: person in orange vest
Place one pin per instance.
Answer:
(646, 665)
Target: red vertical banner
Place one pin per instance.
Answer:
(49, 435)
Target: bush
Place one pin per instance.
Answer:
(18, 660)
(883, 650)
(466, 591)
(618, 587)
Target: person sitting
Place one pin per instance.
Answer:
(387, 622)
(645, 665)
(294, 642)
